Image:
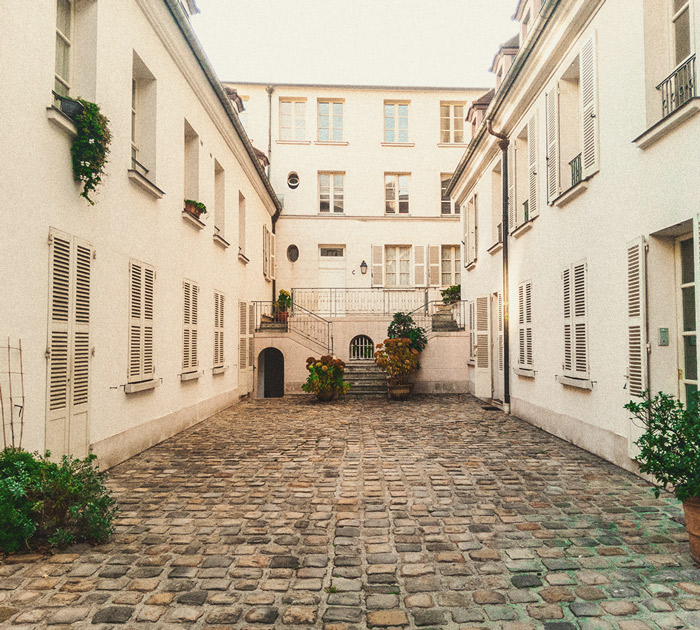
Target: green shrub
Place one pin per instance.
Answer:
(325, 377)
(452, 294)
(45, 502)
(403, 327)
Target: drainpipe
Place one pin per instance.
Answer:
(270, 89)
(503, 145)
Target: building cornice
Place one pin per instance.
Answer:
(378, 88)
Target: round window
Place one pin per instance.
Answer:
(293, 180)
(293, 253)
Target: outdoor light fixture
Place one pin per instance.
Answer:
(363, 267)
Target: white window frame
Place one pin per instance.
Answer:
(397, 254)
(446, 202)
(294, 132)
(330, 127)
(453, 260)
(134, 119)
(395, 116)
(674, 15)
(470, 232)
(451, 127)
(333, 192)
(395, 202)
(61, 83)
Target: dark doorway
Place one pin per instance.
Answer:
(271, 364)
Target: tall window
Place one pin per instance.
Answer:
(241, 224)
(451, 123)
(292, 120)
(398, 265)
(395, 122)
(134, 122)
(191, 182)
(450, 265)
(219, 199)
(396, 192)
(688, 329)
(331, 188)
(143, 119)
(330, 121)
(447, 206)
(680, 20)
(64, 36)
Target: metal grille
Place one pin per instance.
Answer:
(678, 88)
(361, 347)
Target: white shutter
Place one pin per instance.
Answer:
(696, 261)
(141, 287)
(377, 265)
(266, 259)
(500, 332)
(525, 325)
(636, 317)
(568, 325)
(465, 243)
(149, 366)
(190, 343)
(589, 108)
(552, 112)
(575, 325)
(533, 204)
(434, 265)
(251, 331)
(521, 325)
(528, 325)
(512, 209)
(472, 330)
(273, 255)
(419, 265)
(471, 222)
(219, 357)
(482, 333)
(242, 336)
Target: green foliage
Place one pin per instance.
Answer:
(284, 301)
(403, 327)
(452, 294)
(90, 148)
(325, 377)
(198, 205)
(397, 358)
(41, 501)
(670, 445)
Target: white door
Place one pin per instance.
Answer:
(332, 281)
(497, 346)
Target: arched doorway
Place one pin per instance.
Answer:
(270, 373)
(361, 348)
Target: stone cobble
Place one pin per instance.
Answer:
(432, 513)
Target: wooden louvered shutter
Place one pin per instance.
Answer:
(273, 255)
(434, 265)
(525, 325)
(251, 331)
(552, 112)
(242, 336)
(218, 329)
(528, 325)
(190, 341)
(533, 201)
(482, 333)
(636, 317)
(141, 287)
(264, 250)
(419, 265)
(500, 332)
(377, 265)
(521, 325)
(579, 314)
(512, 202)
(568, 325)
(471, 222)
(465, 242)
(589, 108)
(149, 366)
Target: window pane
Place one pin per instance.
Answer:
(682, 35)
(403, 136)
(337, 134)
(459, 111)
(388, 110)
(299, 108)
(338, 182)
(324, 181)
(403, 111)
(458, 276)
(63, 17)
(691, 362)
(323, 109)
(687, 269)
(323, 134)
(403, 123)
(285, 107)
(389, 136)
(62, 59)
(689, 309)
(444, 111)
(388, 123)
(445, 136)
(459, 136)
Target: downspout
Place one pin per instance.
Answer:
(503, 143)
(270, 89)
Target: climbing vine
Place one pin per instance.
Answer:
(90, 148)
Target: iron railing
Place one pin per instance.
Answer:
(526, 210)
(342, 302)
(678, 88)
(361, 348)
(298, 320)
(435, 314)
(576, 170)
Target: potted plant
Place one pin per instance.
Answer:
(282, 306)
(670, 451)
(325, 378)
(399, 360)
(70, 106)
(403, 327)
(195, 208)
(451, 295)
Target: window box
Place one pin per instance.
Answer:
(579, 383)
(143, 386)
(69, 106)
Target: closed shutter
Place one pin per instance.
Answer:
(190, 344)
(533, 205)
(377, 265)
(251, 331)
(219, 357)
(552, 112)
(512, 209)
(141, 289)
(266, 251)
(521, 325)
(419, 266)
(482, 333)
(472, 330)
(636, 317)
(465, 242)
(471, 222)
(500, 332)
(434, 265)
(525, 325)
(273, 255)
(242, 336)
(589, 108)
(568, 325)
(575, 322)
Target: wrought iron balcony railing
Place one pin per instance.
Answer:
(576, 170)
(526, 210)
(295, 320)
(678, 88)
(335, 302)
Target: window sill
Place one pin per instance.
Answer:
(243, 258)
(143, 386)
(144, 183)
(571, 194)
(331, 143)
(578, 383)
(471, 362)
(495, 248)
(470, 265)
(219, 370)
(330, 214)
(460, 145)
(294, 142)
(397, 214)
(189, 376)
(398, 144)
(521, 229)
(449, 216)
(524, 372)
(65, 124)
(668, 124)
(221, 241)
(193, 220)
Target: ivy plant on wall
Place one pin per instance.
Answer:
(90, 148)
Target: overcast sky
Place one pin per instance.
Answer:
(374, 42)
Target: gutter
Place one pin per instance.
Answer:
(184, 24)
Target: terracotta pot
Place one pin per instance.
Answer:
(192, 209)
(400, 391)
(327, 396)
(282, 316)
(691, 507)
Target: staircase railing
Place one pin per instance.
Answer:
(424, 315)
(298, 320)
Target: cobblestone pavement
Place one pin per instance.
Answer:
(431, 513)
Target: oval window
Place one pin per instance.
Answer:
(293, 180)
(293, 253)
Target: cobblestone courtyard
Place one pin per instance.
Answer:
(432, 513)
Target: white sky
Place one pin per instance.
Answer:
(440, 43)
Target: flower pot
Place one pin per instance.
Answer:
(193, 210)
(327, 395)
(282, 316)
(71, 107)
(691, 507)
(399, 391)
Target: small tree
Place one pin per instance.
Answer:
(403, 327)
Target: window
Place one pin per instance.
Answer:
(143, 119)
(268, 253)
(219, 199)
(522, 176)
(292, 253)
(141, 294)
(292, 119)
(190, 359)
(219, 355)
(395, 122)
(496, 205)
(241, 224)
(525, 325)
(680, 21)
(451, 255)
(447, 206)
(396, 189)
(331, 187)
(470, 232)
(575, 322)
(64, 36)
(293, 180)
(398, 265)
(452, 123)
(332, 252)
(330, 121)
(191, 163)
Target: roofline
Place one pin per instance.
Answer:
(358, 87)
(190, 36)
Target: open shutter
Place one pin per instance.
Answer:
(589, 108)
(419, 265)
(472, 330)
(190, 343)
(434, 265)
(528, 325)
(636, 318)
(525, 325)
(465, 242)
(512, 210)
(471, 222)
(580, 312)
(377, 265)
(696, 261)
(149, 366)
(521, 326)
(500, 332)
(273, 255)
(251, 331)
(242, 336)
(533, 205)
(482, 333)
(552, 111)
(568, 325)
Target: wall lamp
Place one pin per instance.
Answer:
(363, 267)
